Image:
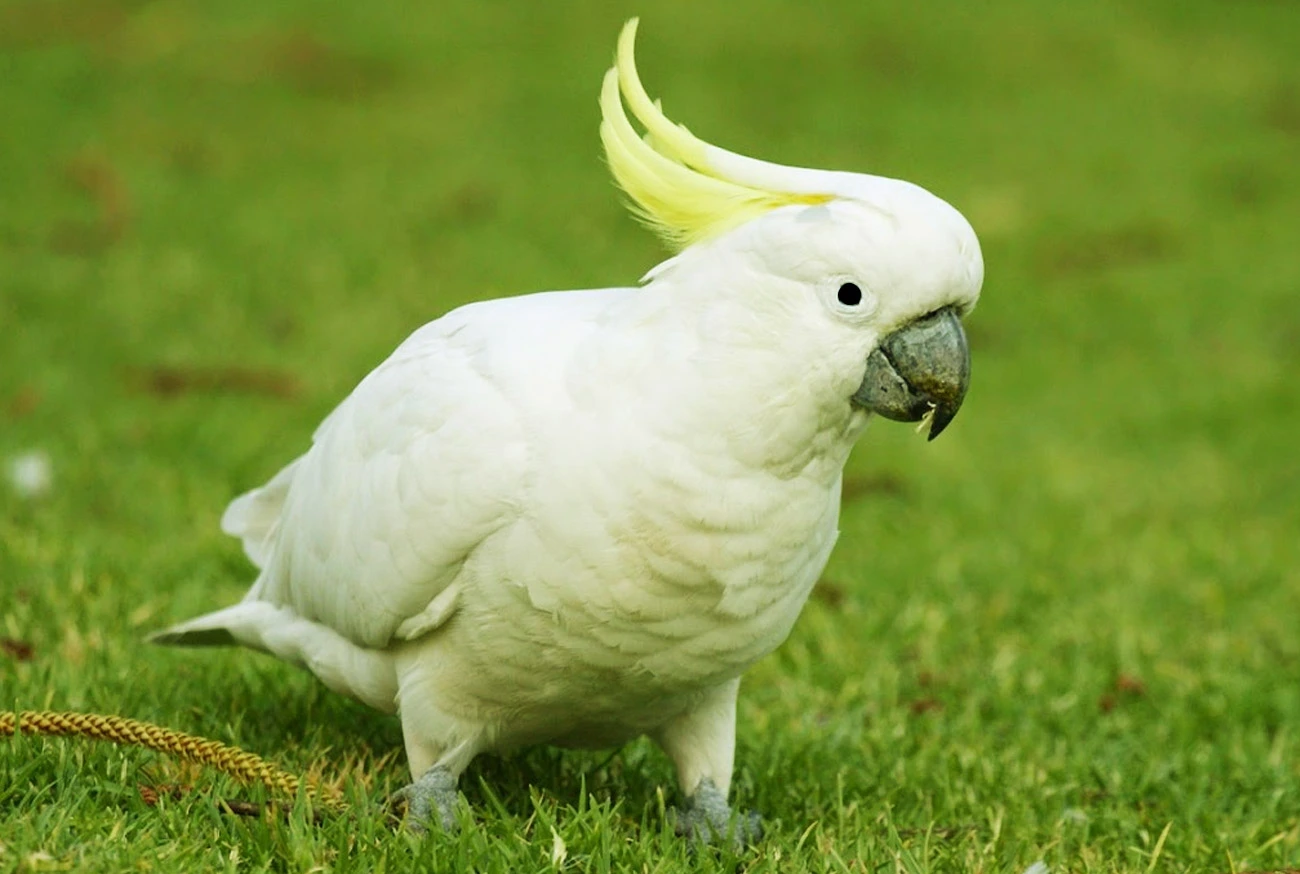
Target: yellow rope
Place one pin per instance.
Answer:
(243, 766)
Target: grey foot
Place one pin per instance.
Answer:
(708, 819)
(430, 800)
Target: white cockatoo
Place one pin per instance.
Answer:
(577, 517)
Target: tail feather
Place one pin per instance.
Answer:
(368, 675)
(254, 516)
(240, 625)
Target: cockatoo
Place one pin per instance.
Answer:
(577, 517)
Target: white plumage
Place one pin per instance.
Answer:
(578, 517)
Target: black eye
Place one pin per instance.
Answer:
(850, 295)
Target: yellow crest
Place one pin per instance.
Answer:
(675, 188)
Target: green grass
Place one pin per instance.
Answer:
(1065, 631)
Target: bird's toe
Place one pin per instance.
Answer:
(707, 819)
(430, 800)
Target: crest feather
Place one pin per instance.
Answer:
(675, 189)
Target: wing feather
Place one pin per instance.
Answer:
(367, 532)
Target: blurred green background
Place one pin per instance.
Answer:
(1064, 626)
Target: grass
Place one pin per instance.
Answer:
(1065, 631)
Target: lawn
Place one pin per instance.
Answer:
(1066, 630)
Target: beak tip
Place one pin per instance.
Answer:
(943, 416)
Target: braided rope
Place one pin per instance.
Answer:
(243, 766)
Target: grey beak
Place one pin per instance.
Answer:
(922, 366)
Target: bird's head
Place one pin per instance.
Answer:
(882, 270)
